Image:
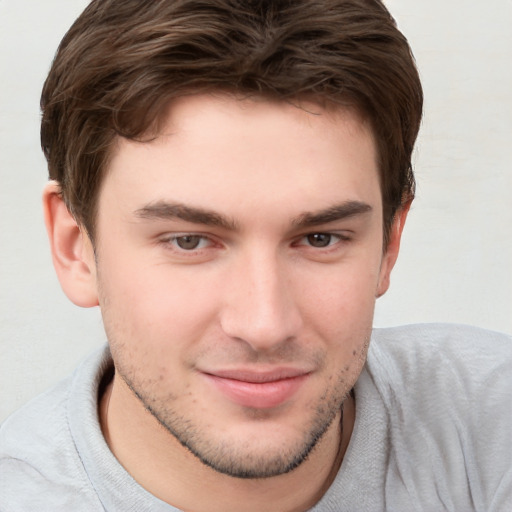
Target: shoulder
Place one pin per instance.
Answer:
(39, 464)
(421, 340)
(462, 353)
(465, 368)
(447, 390)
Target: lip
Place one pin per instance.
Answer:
(258, 390)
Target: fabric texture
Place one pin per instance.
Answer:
(433, 432)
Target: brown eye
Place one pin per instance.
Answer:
(319, 239)
(188, 242)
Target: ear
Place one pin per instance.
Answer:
(391, 253)
(72, 251)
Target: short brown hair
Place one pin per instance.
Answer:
(122, 61)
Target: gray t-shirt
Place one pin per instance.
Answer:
(433, 432)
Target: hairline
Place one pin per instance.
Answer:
(327, 105)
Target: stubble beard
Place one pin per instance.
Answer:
(224, 456)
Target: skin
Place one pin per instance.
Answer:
(245, 240)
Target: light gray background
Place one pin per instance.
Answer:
(456, 255)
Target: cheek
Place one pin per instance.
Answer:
(341, 313)
(152, 306)
(343, 296)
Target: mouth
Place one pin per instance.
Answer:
(258, 390)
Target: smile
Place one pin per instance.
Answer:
(258, 390)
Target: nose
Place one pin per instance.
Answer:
(259, 307)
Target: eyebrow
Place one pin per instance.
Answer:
(337, 212)
(167, 211)
(162, 210)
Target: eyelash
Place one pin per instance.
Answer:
(173, 241)
(205, 241)
(334, 239)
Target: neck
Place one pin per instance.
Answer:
(160, 464)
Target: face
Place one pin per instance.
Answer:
(238, 258)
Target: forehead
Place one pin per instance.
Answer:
(212, 148)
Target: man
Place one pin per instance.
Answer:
(230, 181)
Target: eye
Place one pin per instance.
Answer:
(189, 242)
(322, 240)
